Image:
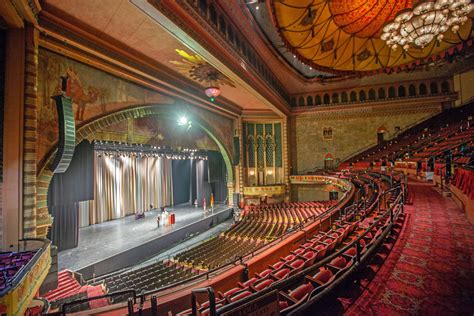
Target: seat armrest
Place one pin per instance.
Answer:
(288, 297)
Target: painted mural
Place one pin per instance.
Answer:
(94, 94)
(157, 131)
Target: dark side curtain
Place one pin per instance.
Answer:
(181, 181)
(65, 191)
(203, 188)
(217, 175)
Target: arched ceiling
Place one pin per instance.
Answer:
(343, 37)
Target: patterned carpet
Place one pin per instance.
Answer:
(430, 270)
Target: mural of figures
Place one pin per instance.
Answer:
(94, 94)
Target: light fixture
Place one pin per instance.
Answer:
(212, 92)
(427, 21)
(183, 120)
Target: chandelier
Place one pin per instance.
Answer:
(427, 21)
(212, 92)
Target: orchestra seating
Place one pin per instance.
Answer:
(215, 252)
(150, 277)
(259, 225)
(367, 226)
(11, 263)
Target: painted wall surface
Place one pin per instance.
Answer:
(96, 93)
(349, 136)
(463, 84)
(311, 192)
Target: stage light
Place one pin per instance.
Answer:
(183, 120)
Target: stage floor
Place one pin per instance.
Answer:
(100, 241)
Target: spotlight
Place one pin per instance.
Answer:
(183, 120)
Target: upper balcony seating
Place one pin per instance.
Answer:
(447, 130)
(11, 263)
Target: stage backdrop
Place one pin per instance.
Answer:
(125, 185)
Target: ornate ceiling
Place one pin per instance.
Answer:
(343, 37)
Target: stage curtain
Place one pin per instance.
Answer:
(202, 182)
(66, 191)
(126, 185)
(181, 181)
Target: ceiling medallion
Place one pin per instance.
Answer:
(427, 21)
(199, 70)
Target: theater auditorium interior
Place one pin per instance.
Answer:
(242, 157)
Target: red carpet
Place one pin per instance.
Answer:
(430, 271)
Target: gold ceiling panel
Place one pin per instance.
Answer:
(343, 36)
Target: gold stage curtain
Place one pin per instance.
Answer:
(127, 185)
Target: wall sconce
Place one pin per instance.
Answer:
(269, 172)
(251, 172)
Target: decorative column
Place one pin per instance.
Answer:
(286, 160)
(30, 133)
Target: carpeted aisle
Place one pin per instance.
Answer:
(430, 271)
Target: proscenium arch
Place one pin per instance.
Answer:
(89, 128)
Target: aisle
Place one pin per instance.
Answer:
(430, 271)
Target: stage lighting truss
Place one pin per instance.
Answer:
(119, 149)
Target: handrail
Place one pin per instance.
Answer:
(88, 299)
(283, 283)
(21, 273)
(212, 300)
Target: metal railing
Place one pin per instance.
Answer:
(23, 271)
(278, 285)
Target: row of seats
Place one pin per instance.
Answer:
(216, 252)
(318, 280)
(268, 222)
(149, 277)
(447, 130)
(11, 263)
(256, 227)
(313, 250)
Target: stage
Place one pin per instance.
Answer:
(117, 244)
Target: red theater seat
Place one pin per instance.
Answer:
(240, 296)
(289, 258)
(298, 251)
(281, 274)
(338, 262)
(248, 282)
(323, 276)
(227, 293)
(297, 264)
(264, 273)
(262, 285)
(277, 265)
(301, 292)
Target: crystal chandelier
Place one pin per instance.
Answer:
(428, 20)
(212, 92)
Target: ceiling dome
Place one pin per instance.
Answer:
(365, 18)
(343, 37)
